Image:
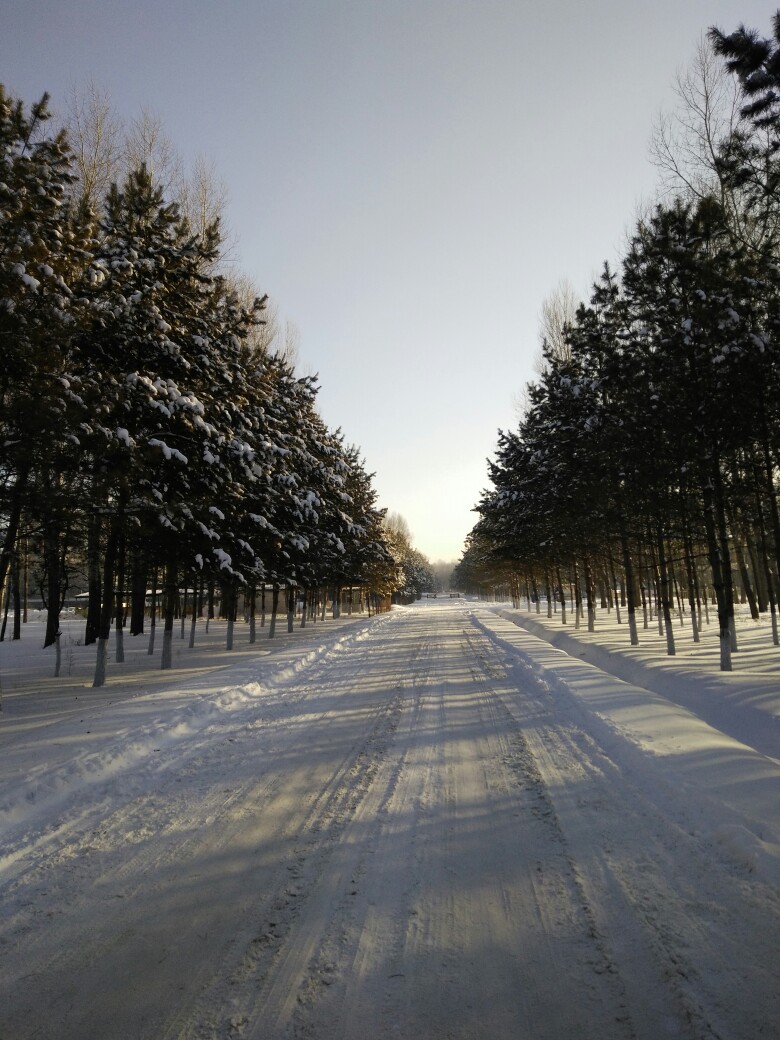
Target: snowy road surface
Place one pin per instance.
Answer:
(434, 826)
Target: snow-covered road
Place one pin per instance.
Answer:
(432, 825)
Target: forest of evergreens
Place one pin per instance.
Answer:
(151, 439)
(646, 461)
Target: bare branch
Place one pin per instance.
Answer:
(95, 134)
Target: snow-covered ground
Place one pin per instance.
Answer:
(456, 820)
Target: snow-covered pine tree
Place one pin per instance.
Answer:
(163, 367)
(44, 248)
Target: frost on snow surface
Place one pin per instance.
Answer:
(452, 820)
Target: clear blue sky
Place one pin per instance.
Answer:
(408, 180)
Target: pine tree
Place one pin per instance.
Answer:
(43, 253)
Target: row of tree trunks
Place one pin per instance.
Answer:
(125, 584)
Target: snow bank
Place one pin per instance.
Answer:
(59, 751)
(734, 786)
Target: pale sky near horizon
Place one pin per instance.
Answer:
(408, 180)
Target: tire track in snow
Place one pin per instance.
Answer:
(362, 999)
(662, 913)
(416, 837)
(275, 964)
(177, 838)
(451, 932)
(559, 885)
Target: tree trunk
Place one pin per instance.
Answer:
(772, 587)
(6, 607)
(577, 597)
(590, 595)
(120, 601)
(194, 617)
(138, 575)
(93, 580)
(230, 602)
(170, 595)
(675, 584)
(663, 591)
(107, 602)
(16, 500)
(654, 587)
(16, 595)
(153, 612)
(615, 590)
(690, 574)
(689, 564)
(723, 535)
(52, 556)
(210, 605)
(739, 541)
(562, 594)
(54, 589)
(252, 614)
(719, 564)
(769, 484)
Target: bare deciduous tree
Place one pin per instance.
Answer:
(559, 310)
(96, 136)
(261, 338)
(146, 143)
(106, 151)
(203, 197)
(398, 528)
(689, 141)
(686, 140)
(291, 351)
